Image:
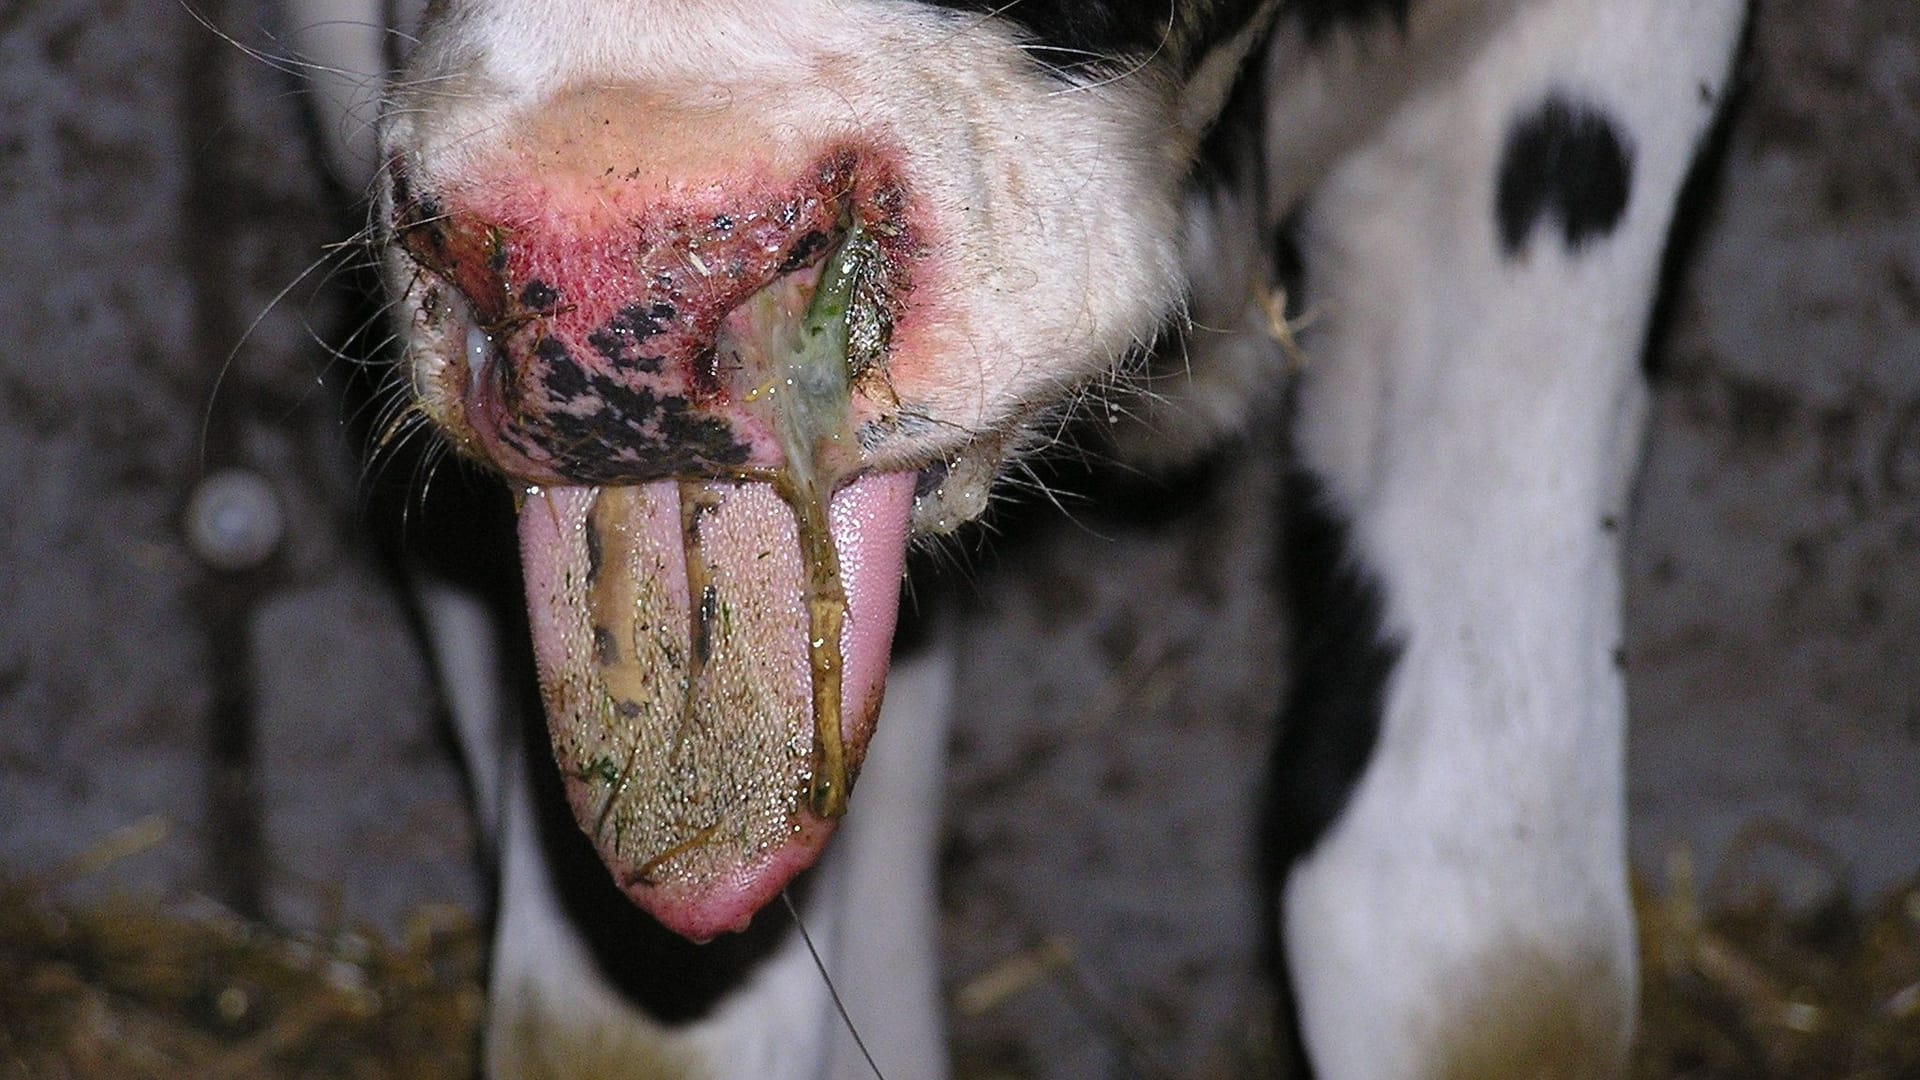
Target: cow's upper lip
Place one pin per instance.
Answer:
(698, 402)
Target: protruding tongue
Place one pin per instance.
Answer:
(679, 629)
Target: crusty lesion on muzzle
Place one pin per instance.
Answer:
(455, 280)
(644, 346)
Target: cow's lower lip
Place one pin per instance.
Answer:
(671, 627)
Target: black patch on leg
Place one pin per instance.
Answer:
(1330, 721)
(1566, 161)
(1342, 658)
(1230, 156)
(1698, 200)
(1288, 266)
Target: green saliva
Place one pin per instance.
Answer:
(814, 423)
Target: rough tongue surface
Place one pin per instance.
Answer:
(670, 624)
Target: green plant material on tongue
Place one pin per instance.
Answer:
(814, 422)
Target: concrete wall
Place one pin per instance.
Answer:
(165, 293)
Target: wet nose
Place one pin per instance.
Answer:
(620, 328)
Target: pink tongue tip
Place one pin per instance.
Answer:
(726, 905)
(699, 810)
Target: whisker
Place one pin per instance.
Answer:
(833, 991)
(1166, 37)
(226, 365)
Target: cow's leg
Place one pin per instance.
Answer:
(1450, 784)
(566, 942)
(885, 869)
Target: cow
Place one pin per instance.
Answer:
(741, 296)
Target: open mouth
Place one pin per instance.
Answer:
(713, 650)
(691, 395)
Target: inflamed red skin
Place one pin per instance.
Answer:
(603, 309)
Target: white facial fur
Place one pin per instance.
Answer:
(1050, 210)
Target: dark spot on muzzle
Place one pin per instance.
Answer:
(539, 296)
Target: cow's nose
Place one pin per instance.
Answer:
(621, 329)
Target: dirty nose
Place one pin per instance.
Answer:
(622, 327)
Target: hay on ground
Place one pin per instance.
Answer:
(1754, 989)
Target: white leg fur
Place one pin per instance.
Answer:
(463, 642)
(1476, 418)
(341, 46)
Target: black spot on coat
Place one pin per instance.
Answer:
(1098, 37)
(1330, 720)
(1320, 18)
(1567, 162)
(1342, 659)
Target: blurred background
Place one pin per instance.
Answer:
(214, 697)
